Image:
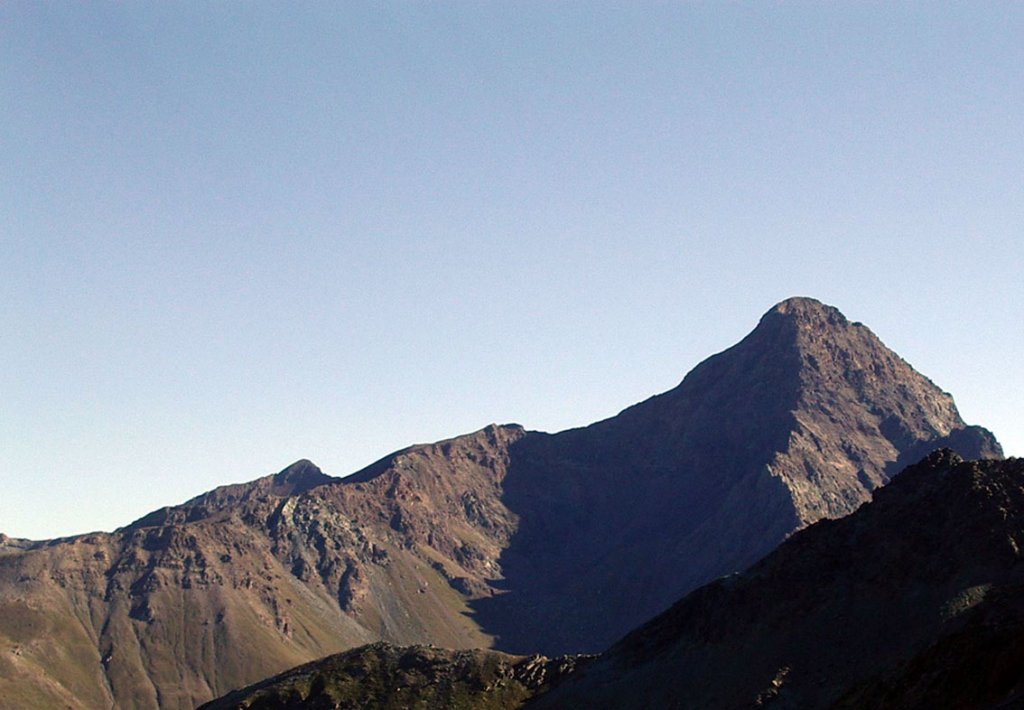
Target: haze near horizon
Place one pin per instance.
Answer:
(235, 236)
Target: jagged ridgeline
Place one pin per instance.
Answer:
(505, 538)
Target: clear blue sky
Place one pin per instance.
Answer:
(233, 235)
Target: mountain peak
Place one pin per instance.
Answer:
(861, 412)
(806, 310)
(298, 478)
(798, 304)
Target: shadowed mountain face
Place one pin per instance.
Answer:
(520, 540)
(916, 600)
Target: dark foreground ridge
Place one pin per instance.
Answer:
(914, 601)
(390, 678)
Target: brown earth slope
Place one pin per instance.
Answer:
(520, 540)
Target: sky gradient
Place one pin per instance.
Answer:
(235, 235)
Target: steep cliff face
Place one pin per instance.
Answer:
(915, 600)
(524, 541)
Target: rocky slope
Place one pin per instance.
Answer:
(916, 600)
(524, 541)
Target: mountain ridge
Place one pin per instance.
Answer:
(507, 538)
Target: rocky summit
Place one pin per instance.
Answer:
(505, 538)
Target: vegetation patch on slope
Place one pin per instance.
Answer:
(385, 677)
